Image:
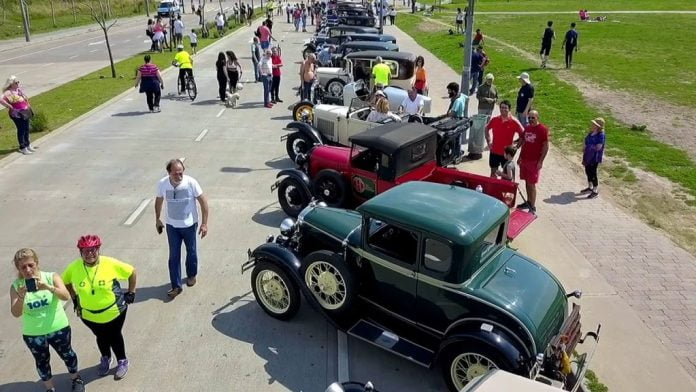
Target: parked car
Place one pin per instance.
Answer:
(379, 159)
(422, 271)
(168, 8)
(311, 46)
(361, 46)
(335, 125)
(358, 66)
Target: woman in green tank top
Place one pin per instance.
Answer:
(36, 297)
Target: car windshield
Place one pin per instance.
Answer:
(165, 5)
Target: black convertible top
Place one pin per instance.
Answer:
(384, 54)
(394, 136)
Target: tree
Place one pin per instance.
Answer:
(100, 13)
(53, 13)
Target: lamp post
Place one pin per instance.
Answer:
(25, 20)
(466, 72)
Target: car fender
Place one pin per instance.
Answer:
(493, 336)
(307, 130)
(299, 175)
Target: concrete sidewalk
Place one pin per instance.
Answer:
(635, 280)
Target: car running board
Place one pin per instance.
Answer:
(387, 340)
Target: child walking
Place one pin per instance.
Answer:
(509, 168)
(194, 40)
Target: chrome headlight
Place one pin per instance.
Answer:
(287, 226)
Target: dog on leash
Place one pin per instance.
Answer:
(232, 99)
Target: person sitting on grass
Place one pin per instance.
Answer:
(509, 168)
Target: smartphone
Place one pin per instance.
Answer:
(30, 284)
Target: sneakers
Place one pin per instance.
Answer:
(174, 292)
(523, 206)
(78, 385)
(191, 281)
(279, 100)
(32, 148)
(592, 195)
(25, 151)
(586, 190)
(157, 109)
(121, 369)
(104, 366)
(268, 105)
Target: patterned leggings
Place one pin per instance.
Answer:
(39, 347)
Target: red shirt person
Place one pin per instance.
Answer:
(535, 146)
(503, 128)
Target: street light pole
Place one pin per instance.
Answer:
(25, 20)
(466, 72)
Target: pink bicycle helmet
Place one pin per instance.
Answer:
(89, 241)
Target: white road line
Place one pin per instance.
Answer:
(92, 51)
(126, 41)
(343, 370)
(147, 41)
(72, 57)
(220, 112)
(201, 135)
(19, 73)
(95, 43)
(135, 214)
(48, 65)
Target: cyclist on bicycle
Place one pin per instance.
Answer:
(185, 67)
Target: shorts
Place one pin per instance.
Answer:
(194, 44)
(178, 36)
(460, 22)
(529, 171)
(495, 161)
(545, 49)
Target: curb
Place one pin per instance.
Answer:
(9, 158)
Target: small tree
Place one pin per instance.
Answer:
(100, 13)
(53, 13)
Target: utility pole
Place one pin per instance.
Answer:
(466, 72)
(381, 17)
(147, 8)
(25, 20)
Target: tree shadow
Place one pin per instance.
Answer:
(144, 294)
(269, 216)
(564, 198)
(289, 349)
(131, 114)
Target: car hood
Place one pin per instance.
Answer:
(527, 290)
(335, 222)
(329, 70)
(322, 110)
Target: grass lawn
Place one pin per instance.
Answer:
(65, 103)
(628, 52)
(572, 5)
(562, 107)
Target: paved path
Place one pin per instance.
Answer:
(654, 275)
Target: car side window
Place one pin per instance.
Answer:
(438, 256)
(393, 241)
(493, 238)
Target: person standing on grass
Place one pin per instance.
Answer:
(546, 41)
(277, 63)
(478, 39)
(487, 96)
(19, 110)
(98, 299)
(221, 75)
(178, 30)
(392, 16)
(502, 128)
(459, 21)
(570, 43)
(535, 145)
(525, 98)
(592, 152)
(44, 322)
(150, 80)
(180, 192)
(476, 64)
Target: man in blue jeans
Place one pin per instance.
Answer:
(266, 75)
(181, 192)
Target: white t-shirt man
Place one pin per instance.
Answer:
(179, 27)
(180, 201)
(413, 107)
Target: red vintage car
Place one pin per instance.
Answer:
(378, 159)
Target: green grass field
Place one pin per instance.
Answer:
(562, 107)
(572, 5)
(627, 52)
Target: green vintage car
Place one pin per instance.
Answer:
(422, 271)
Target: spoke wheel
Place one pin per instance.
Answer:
(191, 89)
(329, 280)
(292, 196)
(303, 111)
(274, 291)
(330, 187)
(467, 366)
(335, 88)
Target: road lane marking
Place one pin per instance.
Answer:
(19, 73)
(220, 112)
(126, 41)
(92, 51)
(343, 370)
(95, 43)
(201, 135)
(147, 41)
(44, 50)
(48, 65)
(136, 214)
(72, 57)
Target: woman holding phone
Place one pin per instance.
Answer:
(36, 296)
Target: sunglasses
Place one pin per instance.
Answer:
(90, 250)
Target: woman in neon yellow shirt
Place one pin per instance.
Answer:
(36, 296)
(93, 283)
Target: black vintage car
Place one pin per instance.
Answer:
(311, 46)
(423, 272)
(360, 46)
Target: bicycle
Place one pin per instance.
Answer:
(190, 87)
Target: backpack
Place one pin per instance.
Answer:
(149, 33)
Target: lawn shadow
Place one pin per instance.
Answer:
(144, 294)
(564, 198)
(130, 114)
(269, 217)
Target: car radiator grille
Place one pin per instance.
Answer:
(326, 127)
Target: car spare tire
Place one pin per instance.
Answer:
(297, 143)
(330, 187)
(334, 88)
(330, 280)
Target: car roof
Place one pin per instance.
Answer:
(371, 44)
(354, 28)
(458, 214)
(393, 136)
(360, 35)
(382, 53)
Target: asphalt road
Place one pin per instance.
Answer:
(93, 176)
(48, 62)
